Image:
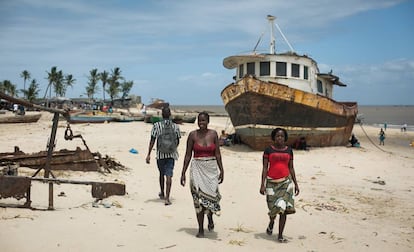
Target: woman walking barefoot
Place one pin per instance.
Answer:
(206, 172)
(277, 176)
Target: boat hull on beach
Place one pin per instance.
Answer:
(27, 118)
(90, 119)
(256, 107)
(285, 90)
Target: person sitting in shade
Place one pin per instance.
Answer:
(224, 139)
(354, 141)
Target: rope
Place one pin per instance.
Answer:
(360, 124)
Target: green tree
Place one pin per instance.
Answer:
(114, 84)
(9, 88)
(126, 88)
(68, 82)
(92, 87)
(104, 77)
(59, 85)
(51, 77)
(26, 76)
(31, 93)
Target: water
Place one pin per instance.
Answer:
(394, 116)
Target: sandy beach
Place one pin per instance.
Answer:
(351, 199)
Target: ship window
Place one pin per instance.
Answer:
(320, 88)
(281, 68)
(265, 68)
(250, 68)
(295, 70)
(305, 72)
(241, 72)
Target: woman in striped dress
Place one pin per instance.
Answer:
(206, 172)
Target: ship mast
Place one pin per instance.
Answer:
(272, 38)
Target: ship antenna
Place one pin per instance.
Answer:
(272, 37)
(258, 41)
(283, 35)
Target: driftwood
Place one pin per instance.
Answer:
(74, 160)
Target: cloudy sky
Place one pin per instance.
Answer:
(174, 50)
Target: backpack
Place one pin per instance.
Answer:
(167, 140)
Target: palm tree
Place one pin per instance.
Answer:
(32, 92)
(114, 83)
(126, 88)
(59, 85)
(68, 82)
(51, 77)
(9, 88)
(26, 76)
(104, 77)
(2, 88)
(92, 87)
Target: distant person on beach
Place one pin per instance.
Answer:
(354, 141)
(206, 172)
(385, 126)
(168, 137)
(143, 109)
(404, 127)
(279, 181)
(381, 137)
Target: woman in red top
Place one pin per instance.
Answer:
(277, 176)
(206, 163)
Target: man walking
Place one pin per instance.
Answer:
(167, 134)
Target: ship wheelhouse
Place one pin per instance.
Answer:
(290, 69)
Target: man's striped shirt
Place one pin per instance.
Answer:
(156, 131)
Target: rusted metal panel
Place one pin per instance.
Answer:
(102, 190)
(16, 187)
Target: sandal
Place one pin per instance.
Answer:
(269, 229)
(282, 240)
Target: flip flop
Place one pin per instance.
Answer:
(282, 240)
(167, 203)
(269, 229)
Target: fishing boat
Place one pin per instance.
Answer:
(285, 90)
(157, 103)
(15, 118)
(89, 119)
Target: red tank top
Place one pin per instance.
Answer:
(204, 151)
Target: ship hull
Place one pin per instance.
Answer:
(256, 107)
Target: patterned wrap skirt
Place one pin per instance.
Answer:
(280, 197)
(204, 174)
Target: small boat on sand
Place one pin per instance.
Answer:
(90, 119)
(15, 118)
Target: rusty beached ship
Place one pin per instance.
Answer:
(285, 90)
